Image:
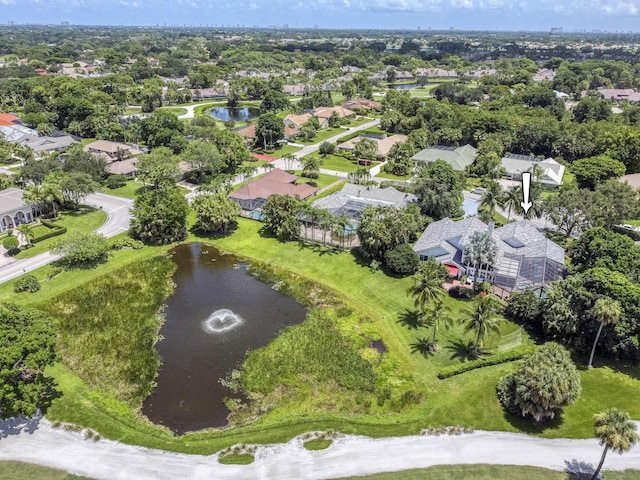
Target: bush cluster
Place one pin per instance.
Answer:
(461, 292)
(511, 355)
(28, 283)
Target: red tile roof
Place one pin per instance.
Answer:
(275, 182)
(6, 119)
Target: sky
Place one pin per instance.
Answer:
(532, 15)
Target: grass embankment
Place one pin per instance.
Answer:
(177, 111)
(237, 459)
(86, 219)
(28, 471)
(386, 312)
(132, 188)
(108, 327)
(488, 472)
(317, 444)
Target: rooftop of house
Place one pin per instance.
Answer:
(553, 171)
(384, 144)
(8, 119)
(352, 199)
(459, 158)
(300, 119)
(45, 144)
(11, 199)
(362, 103)
(274, 182)
(620, 94)
(326, 112)
(447, 238)
(111, 148)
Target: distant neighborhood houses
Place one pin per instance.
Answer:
(550, 172)
(525, 258)
(15, 132)
(323, 114)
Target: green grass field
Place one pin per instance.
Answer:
(341, 164)
(27, 471)
(85, 219)
(317, 444)
(391, 176)
(177, 111)
(322, 181)
(286, 149)
(488, 472)
(468, 399)
(131, 189)
(323, 135)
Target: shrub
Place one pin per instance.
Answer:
(28, 283)
(461, 292)
(55, 231)
(511, 355)
(402, 259)
(126, 242)
(11, 244)
(116, 181)
(82, 248)
(546, 381)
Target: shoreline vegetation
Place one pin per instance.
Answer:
(363, 306)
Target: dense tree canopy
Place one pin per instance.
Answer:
(28, 345)
(159, 216)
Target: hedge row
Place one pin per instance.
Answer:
(633, 234)
(511, 355)
(56, 230)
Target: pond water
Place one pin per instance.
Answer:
(216, 313)
(236, 114)
(404, 86)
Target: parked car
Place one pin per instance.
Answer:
(479, 190)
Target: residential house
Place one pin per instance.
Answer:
(544, 74)
(552, 172)
(616, 94)
(362, 103)
(297, 89)
(46, 145)
(525, 258)
(121, 158)
(459, 158)
(352, 199)
(383, 141)
(297, 121)
(14, 210)
(436, 73)
(326, 112)
(252, 196)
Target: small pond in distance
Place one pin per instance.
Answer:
(216, 313)
(241, 114)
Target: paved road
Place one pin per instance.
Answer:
(36, 441)
(117, 209)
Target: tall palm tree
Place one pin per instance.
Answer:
(325, 220)
(426, 284)
(26, 230)
(616, 432)
(511, 199)
(304, 212)
(607, 311)
(492, 197)
(438, 316)
(481, 250)
(482, 320)
(341, 223)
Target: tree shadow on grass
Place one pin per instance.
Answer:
(578, 469)
(424, 347)
(528, 425)
(460, 350)
(71, 266)
(410, 319)
(321, 250)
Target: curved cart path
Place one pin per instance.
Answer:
(36, 441)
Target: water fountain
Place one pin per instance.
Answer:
(220, 321)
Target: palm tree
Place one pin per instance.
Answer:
(511, 199)
(341, 223)
(482, 320)
(26, 230)
(325, 220)
(426, 284)
(438, 316)
(304, 214)
(481, 250)
(607, 311)
(492, 197)
(616, 432)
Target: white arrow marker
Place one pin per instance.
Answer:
(526, 186)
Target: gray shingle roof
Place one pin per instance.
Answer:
(459, 158)
(353, 198)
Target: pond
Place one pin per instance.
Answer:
(241, 114)
(216, 313)
(404, 86)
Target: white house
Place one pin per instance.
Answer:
(14, 210)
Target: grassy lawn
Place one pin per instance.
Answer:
(381, 302)
(391, 176)
(132, 187)
(322, 181)
(84, 220)
(27, 471)
(488, 472)
(338, 163)
(359, 121)
(323, 135)
(133, 110)
(317, 444)
(237, 459)
(175, 110)
(286, 149)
